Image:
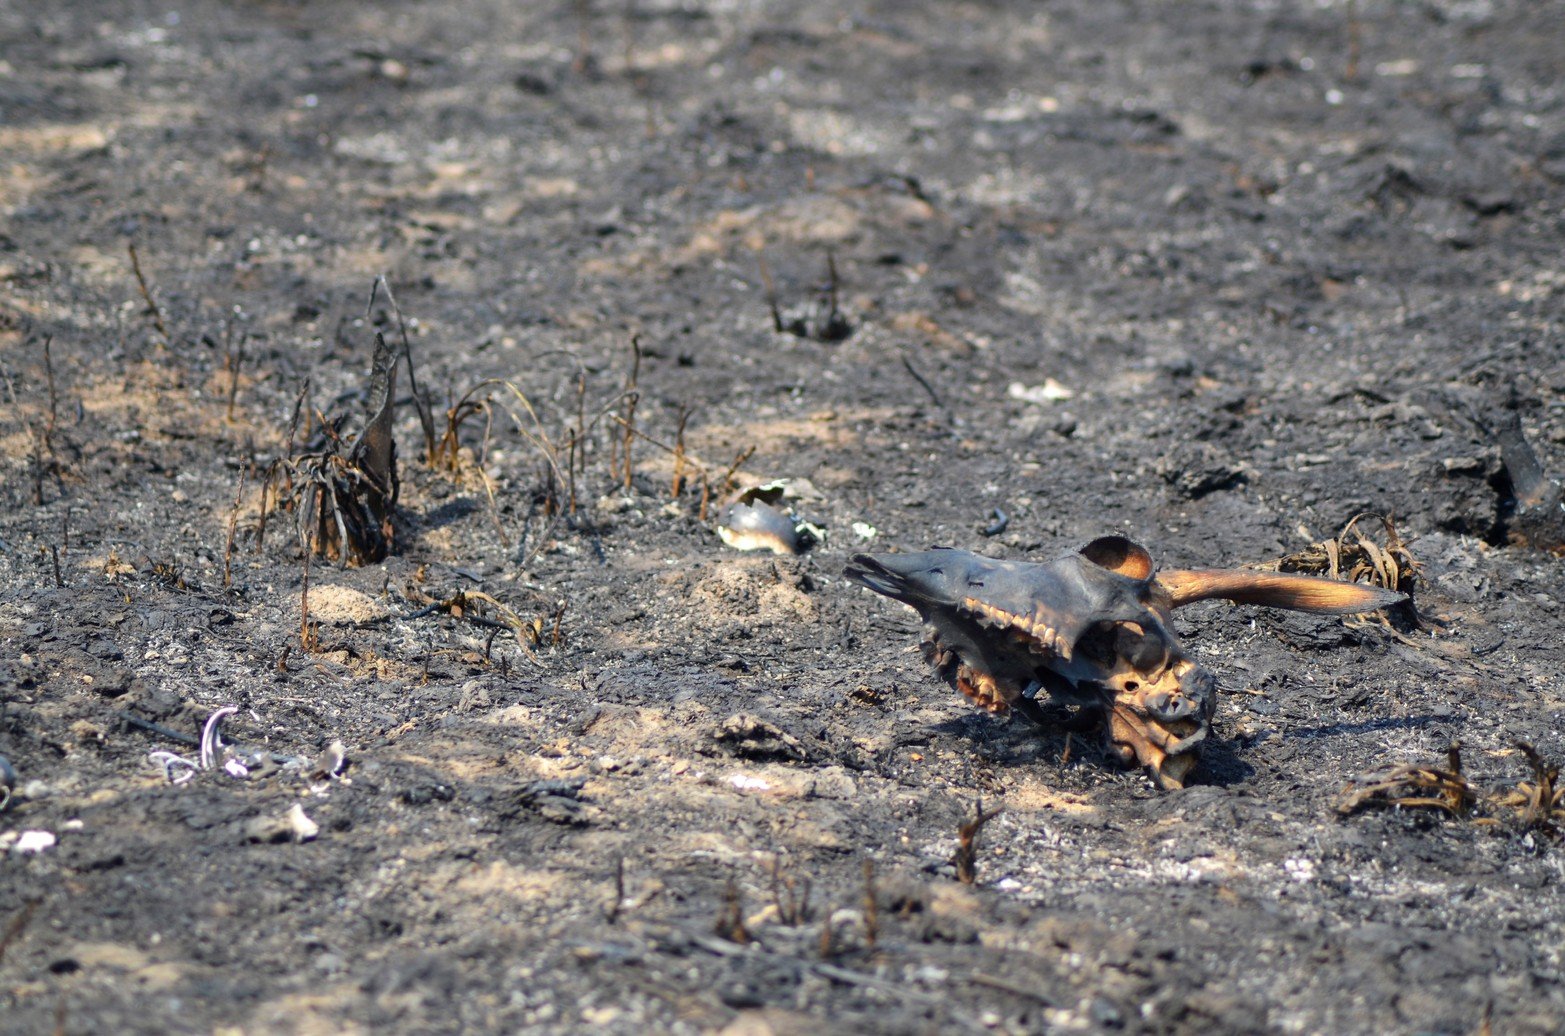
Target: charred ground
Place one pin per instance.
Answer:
(1286, 264)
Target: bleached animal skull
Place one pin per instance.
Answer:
(1090, 629)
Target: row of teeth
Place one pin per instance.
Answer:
(1041, 638)
(983, 689)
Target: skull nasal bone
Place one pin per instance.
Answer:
(1169, 706)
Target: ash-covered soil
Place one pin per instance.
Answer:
(1215, 275)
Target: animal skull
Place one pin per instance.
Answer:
(1090, 629)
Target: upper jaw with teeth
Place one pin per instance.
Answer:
(1090, 628)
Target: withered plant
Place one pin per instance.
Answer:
(966, 858)
(824, 322)
(790, 894)
(480, 402)
(1534, 805)
(489, 612)
(343, 494)
(1354, 555)
(1538, 803)
(565, 446)
(730, 918)
(1416, 786)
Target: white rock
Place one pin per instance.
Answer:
(1050, 391)
(33, 842)
(304, 829)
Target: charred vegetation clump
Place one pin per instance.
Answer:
(341, 490)
(1534, 803)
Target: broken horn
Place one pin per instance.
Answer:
(1275, 590)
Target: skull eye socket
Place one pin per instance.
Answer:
(1143, 650)
(1097, 644)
